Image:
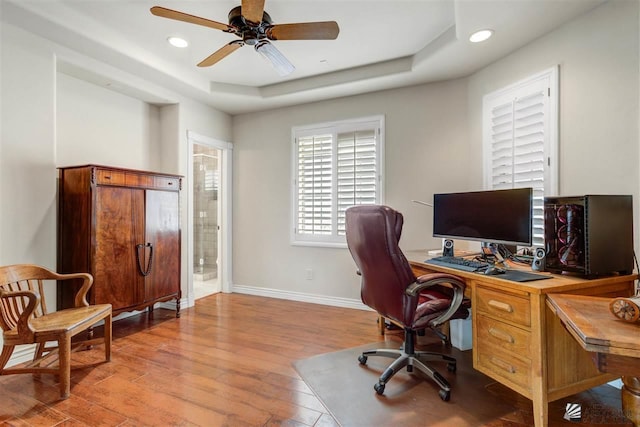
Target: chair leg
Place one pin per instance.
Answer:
(394, 368)
(7, 351)
(384, 353)
(434, 375)
(40, 347)
(64, 354)
(428, 355)
(107, 338)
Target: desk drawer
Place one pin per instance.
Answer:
(502, 335)
(502, 305)
(494, 360)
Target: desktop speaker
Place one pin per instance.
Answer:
(447, 247)
(538, 263)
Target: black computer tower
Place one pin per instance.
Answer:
(589, 235)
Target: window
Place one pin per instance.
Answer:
(335, 166)
(520, 140)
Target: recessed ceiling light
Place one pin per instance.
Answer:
(178, 42)
(480, 36)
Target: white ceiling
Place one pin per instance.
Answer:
(382, 44)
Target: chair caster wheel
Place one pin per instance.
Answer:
(445, 395)
(451, 367)
(362, 359)
(379, 388)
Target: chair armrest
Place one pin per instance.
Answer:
(431, 279)
(81, 295)
(14, 314)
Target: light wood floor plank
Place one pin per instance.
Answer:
(226, 361)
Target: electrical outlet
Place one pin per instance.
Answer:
(309, 274)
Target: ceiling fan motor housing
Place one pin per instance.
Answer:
(250, 32)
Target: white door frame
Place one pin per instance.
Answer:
(224, 250)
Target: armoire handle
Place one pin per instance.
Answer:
(144, 271)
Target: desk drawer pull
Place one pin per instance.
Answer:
(503, 365)
(499, 305)
(501, 335)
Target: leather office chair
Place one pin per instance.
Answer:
(390, 287)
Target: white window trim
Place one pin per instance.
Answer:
(347, 125)
(549, 76)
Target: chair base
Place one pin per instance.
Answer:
(411, 360)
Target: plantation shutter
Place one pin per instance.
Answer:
(315, 158)
(520, 140)
(357, 171)
(336, 165)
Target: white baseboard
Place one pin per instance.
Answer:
(299, 296)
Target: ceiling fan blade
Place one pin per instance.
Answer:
(327, 30)
(185, 17)
(252, 10)
(221, 53)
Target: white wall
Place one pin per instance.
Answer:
(27, 167)
(95, 125)
(426, 151)
(598, 58)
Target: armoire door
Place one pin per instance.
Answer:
(119, 227)
(162, 230)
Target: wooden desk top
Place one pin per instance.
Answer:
(593, 325)
(559, 283)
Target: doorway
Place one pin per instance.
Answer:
(206, 242)
(209, 216)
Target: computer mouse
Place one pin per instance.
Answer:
(492, 270)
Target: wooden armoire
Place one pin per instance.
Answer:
(123, 227)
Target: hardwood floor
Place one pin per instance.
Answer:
(225, 362)
(228, 362)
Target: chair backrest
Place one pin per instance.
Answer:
(18, 280)
(373, 233)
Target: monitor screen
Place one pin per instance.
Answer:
(498, 216)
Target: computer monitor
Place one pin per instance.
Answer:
(497, 216)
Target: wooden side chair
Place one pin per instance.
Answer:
(24, 320)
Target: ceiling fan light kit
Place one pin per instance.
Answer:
(275, 57)
(255, 28)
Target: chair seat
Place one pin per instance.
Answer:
(69, 319)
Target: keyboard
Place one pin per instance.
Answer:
(458, 263)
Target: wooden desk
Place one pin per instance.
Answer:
(615, 343)
(519, 342)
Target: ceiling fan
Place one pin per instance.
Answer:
(255, 28)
